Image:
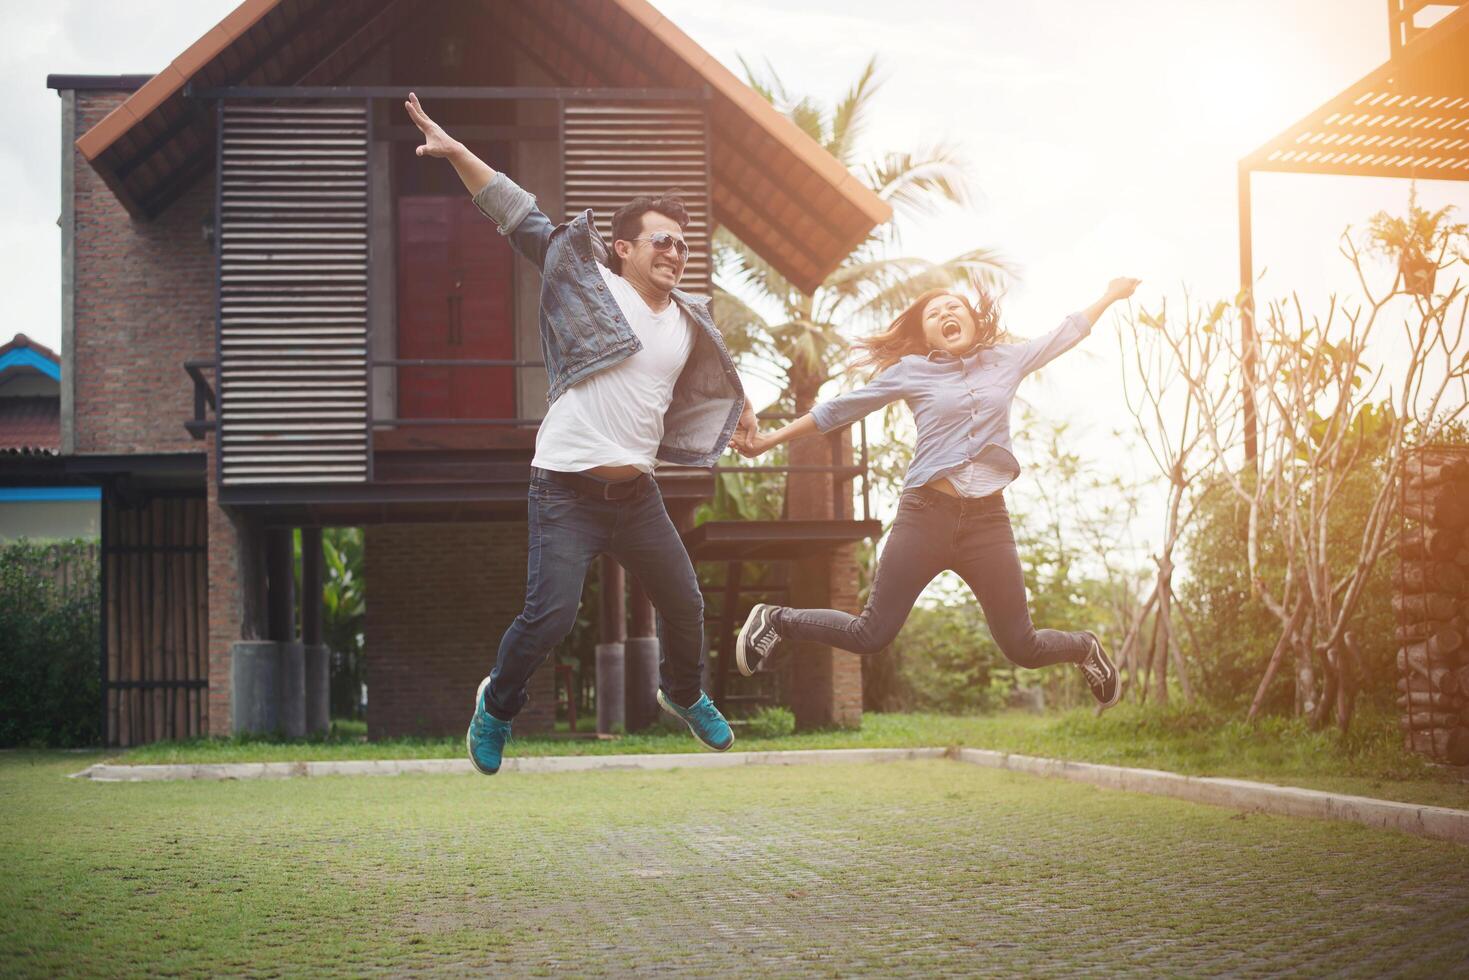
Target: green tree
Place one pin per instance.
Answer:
(800, 334)
(343, 613)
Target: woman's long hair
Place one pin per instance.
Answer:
(881, 351)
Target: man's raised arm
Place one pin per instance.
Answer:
(495, 194)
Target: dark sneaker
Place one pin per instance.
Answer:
(703, 719)
(1101, 674)
(758, 640)
(487, 735)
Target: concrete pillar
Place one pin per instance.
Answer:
(611, 654)
(267, 688)
(291, 689)
(318, 665)
(641, 695)
(254, 682)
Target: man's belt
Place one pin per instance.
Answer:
(595, 489)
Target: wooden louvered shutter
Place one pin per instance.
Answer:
(293, 293)
(615, 152)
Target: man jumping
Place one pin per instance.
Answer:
(638, 373)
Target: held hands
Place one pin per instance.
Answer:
(748, 441)
(436, 142)
(747, 431)
(755, 445)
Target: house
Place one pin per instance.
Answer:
(37, 499)
(276, 317)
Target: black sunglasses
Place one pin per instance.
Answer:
(662, 241)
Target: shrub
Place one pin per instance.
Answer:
(1237, 633)
(771, 722)
(945, 660)
(49, 684)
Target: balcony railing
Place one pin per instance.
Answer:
(860, 471)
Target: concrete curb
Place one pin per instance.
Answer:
(1242, 794)
(527, 764)
(1409, 818)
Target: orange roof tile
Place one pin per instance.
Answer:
(813, 189)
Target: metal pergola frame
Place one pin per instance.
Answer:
(1408, 118)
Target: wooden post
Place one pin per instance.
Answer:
(179, 599)
(162, 600)
(1247, 311)
(316, 657)
(643, 616)
(127, 619)
(728, 616)
(613, 613)
(313, 580)
(201, 603)
(112, 583)
(189, 597)
(611, 673)
(280, 587)
(133, 563)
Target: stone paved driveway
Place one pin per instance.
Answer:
(919, 868)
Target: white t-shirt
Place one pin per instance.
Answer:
(615, 417)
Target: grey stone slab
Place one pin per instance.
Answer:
(1426, 821)
(523, 764)
(1412, 818)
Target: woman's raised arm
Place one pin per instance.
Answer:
(1119, 288)
(1037, 353)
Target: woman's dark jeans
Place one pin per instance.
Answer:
(935, 532)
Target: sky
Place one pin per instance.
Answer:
(1102, 138)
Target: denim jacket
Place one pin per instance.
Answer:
(583, 331)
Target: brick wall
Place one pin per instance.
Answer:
(236, 593)
(826, 683)
(845, 678)
(144, 305)
(439, 596)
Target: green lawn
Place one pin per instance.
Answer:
(1369, 763)
(915, 868)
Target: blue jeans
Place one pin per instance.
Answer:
(934, 532)
(567, 532)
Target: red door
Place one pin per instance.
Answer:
(453, 303)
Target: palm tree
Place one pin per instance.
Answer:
(800, 333)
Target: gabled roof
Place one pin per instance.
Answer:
(1407, 118)
(30, 425)
(775, 188)
(22, 353)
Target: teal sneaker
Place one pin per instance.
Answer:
(703, 719)
(487, 735)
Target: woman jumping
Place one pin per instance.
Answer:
(943, 358)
